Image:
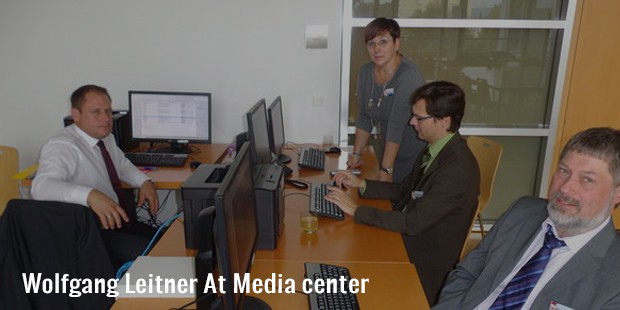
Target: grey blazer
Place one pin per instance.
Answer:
(589, 280)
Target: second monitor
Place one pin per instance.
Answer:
(276, 130)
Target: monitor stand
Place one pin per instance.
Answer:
(175, 148)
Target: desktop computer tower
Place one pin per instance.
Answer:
(268, 193)
(198, 193)
(121, 128)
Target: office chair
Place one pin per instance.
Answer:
(488, 154)
(9, 166)
(615, 216)
(50, 238)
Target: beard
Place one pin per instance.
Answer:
(571, 223)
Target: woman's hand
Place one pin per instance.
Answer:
(354, 161)
(385, 177)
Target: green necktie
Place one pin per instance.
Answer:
(426, 159)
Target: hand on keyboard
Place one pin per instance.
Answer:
(347, 179)
(339, 197)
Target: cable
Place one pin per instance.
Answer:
(153, 221)
(297, 193)
(121, 271)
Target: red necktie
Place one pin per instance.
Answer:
(114, 179)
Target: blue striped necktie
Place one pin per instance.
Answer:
(518, 289)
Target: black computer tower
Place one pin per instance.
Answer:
(268, 193)
(198, 193)
(121, 128)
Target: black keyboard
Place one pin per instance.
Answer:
(332, 300)
(157, 159)
(322, 207)
(312, 158)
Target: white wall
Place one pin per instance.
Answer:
(240, 51)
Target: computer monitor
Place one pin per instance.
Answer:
(276, 130)
(178, 118)
(258, 135)
(236, 229)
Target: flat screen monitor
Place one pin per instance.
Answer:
(276, 130)
(258, 134)
(178, 118)
(236, 228)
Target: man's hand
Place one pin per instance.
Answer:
(148, 194)
(341, 199)
(347, 179)
(109, 212)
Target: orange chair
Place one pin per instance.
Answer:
(488, 154)
(9, 165)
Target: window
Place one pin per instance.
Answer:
(509, 57)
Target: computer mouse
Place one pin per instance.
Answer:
(194, 164)
(334, 149)
(296, 183)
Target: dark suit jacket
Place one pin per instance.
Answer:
(50, 238)
(435, 226)
(589, 280)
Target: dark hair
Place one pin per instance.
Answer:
(599, 142)
(380, 25)
(78, 97)
(443, 99)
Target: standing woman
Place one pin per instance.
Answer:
(384, 89)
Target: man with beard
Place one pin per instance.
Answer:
(560, 253)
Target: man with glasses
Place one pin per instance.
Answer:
(435, 205)
(558, 253)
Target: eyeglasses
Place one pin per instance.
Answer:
(421, 118)
(381, 43)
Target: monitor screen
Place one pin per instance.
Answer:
(236, 225)
(175, 117)
(276, 130)
(258, 133)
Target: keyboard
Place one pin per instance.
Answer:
(312, 158)
(322, 207)
(330, 300)
(157, 159)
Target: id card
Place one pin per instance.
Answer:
(557, 306)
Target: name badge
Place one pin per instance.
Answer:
(417, 195)
(557, 306)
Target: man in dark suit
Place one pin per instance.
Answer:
(435, 205)
(583, 270)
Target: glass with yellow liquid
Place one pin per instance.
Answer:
(309, 222)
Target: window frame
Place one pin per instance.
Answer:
(548, 133)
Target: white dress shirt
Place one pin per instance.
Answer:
(559, 257)
(71, 165)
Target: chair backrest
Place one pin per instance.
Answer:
(9, 166)
(615, 216)
(488, 154)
